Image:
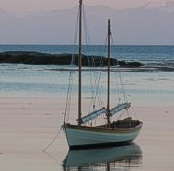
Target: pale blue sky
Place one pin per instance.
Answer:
(38, 5)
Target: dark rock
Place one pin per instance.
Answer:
(37, 58)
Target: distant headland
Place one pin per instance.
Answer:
(38, 58)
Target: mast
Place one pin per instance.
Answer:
(80, 64)
(109, 66)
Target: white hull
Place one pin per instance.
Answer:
(80, 137)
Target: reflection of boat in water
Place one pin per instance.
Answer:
(123, 156)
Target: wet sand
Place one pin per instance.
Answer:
(28, 125)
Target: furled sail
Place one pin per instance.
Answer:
(119, 107)
(93, 115)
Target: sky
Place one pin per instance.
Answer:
(156, 26)
(39, 5)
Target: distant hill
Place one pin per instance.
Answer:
(149, 24)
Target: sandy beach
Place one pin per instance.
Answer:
(28, 125)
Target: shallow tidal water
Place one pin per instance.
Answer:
(32, 103)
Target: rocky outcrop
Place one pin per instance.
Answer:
(37, 58)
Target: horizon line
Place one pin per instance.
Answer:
(44, 44)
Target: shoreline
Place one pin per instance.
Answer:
(121, 69)
(67, 68)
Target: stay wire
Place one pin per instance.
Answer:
(121, 80)
(117, 87)
(91, 65)
(122, 86)
(95, 83)
(70, 82)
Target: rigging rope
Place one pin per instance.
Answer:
(95, 77)
(121, 80)
(70, 80)
(53, 140)
(122, 86)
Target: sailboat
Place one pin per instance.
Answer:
(120, 132)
